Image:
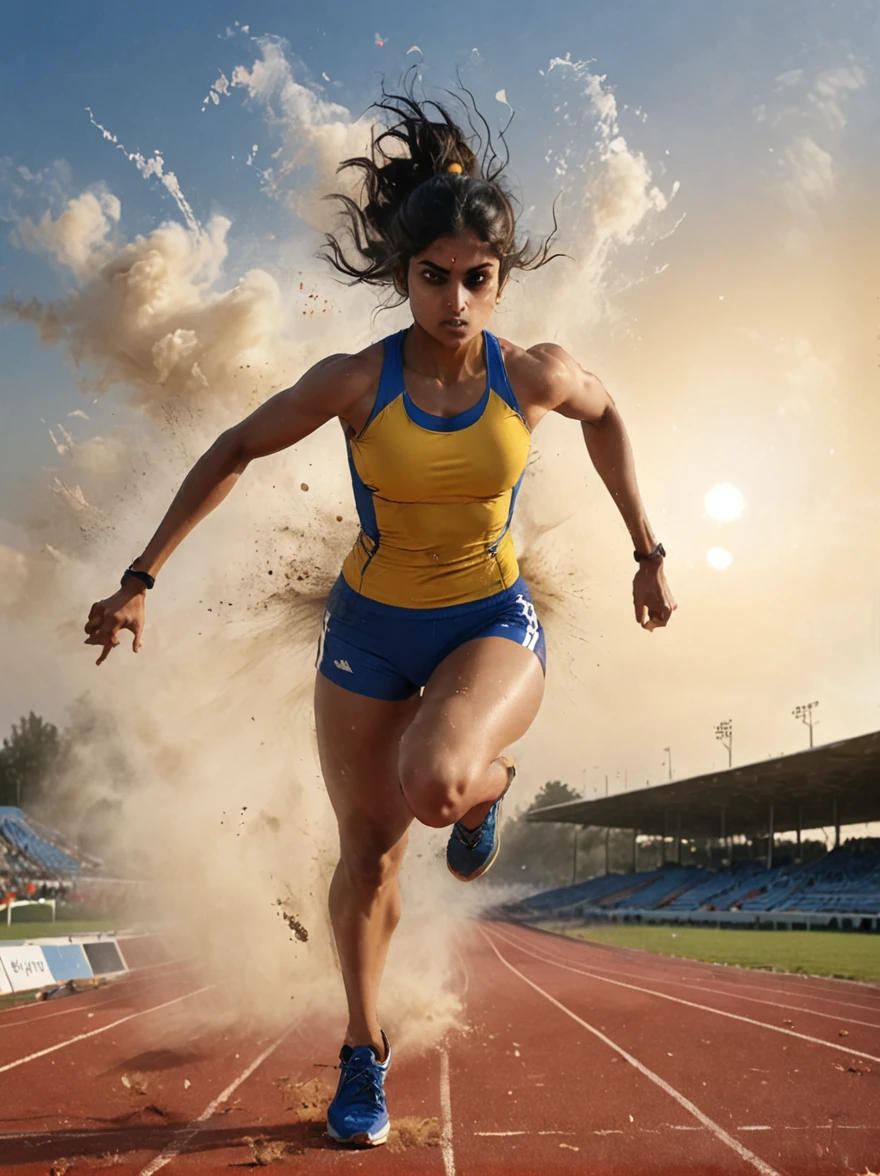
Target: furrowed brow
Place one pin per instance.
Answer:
(440, 270)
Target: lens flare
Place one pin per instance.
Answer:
(719, 558)
(724, 502)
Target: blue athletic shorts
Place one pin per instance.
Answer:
(387, 652)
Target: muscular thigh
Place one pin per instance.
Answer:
(481, 698)
(358, 745)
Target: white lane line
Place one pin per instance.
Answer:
(446, 1112)
(119, 998)
(715, 1128)
(103, 1029)
(732, 993)
(702, 967)
(857, 1053)
(173, 1150)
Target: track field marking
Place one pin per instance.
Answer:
(715, 1128)
(192, 1129)
(701, 966)
(734, 994)
(104, 1028)
(446, 1111)
(690, 1003)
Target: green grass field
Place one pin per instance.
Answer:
(43, 930)
(848, 956)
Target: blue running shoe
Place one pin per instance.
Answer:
(470, 852)
(357, 1114)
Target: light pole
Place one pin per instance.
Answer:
(668, 751)
(805, 714)
(724, 731)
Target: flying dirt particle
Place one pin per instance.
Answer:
(135, 1082)
(186, 1084)
(59, 1167)
(293, 922)
(413, 1132)
(303, 485)
(264, 1151)
(339, 518)
(843, 1033)
(270, 571)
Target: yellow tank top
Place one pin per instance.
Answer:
(435, 495)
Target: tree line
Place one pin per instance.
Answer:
(28, 759)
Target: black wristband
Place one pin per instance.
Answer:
(144, 577)
(659, 552)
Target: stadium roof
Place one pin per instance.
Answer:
(837, 783)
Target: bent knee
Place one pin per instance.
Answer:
(436, 792)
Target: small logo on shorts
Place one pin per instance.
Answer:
(342, 664)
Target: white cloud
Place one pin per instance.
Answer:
(317, 133)
(790, 78)
(810, 181)
(219, 88)
(831, 90)
(78, 237)
(148, 314)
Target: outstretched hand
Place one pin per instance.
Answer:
(653, 601)
(107, 618)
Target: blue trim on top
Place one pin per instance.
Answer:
(498, 374)
(363, 500)
(493, 548)
(440, 424)
(391, 378)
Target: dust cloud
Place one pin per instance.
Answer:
(204, 746)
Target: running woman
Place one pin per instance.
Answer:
(431, 657)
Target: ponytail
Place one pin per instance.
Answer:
(423, 180)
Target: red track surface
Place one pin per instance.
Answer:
(579, 1058)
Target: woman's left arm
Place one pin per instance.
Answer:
(575, 393)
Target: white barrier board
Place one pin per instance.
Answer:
(25, 967)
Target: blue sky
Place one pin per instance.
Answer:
(698, 70)
(737, 316)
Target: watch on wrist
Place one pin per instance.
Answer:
(659, 552)
(133, 574)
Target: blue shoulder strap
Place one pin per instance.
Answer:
(391, 379)
(498, 380)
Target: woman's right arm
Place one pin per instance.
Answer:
(332, 388)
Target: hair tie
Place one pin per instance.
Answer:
(455, 168)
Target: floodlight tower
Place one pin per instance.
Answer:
(805, 714)
(724, 734)
(668, 751)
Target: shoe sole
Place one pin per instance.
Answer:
(482, 870)
(362, 1138)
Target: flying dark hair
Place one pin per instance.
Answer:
(410, 197)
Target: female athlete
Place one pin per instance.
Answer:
(431, 657)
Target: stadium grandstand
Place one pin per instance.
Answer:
(35, 861)
(762, 881)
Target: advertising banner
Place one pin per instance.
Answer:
(25, 966)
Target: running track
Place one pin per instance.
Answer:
(578, 1058)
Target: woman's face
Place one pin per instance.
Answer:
(453, 288)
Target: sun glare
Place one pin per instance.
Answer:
(719, 558)
(724, 502)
